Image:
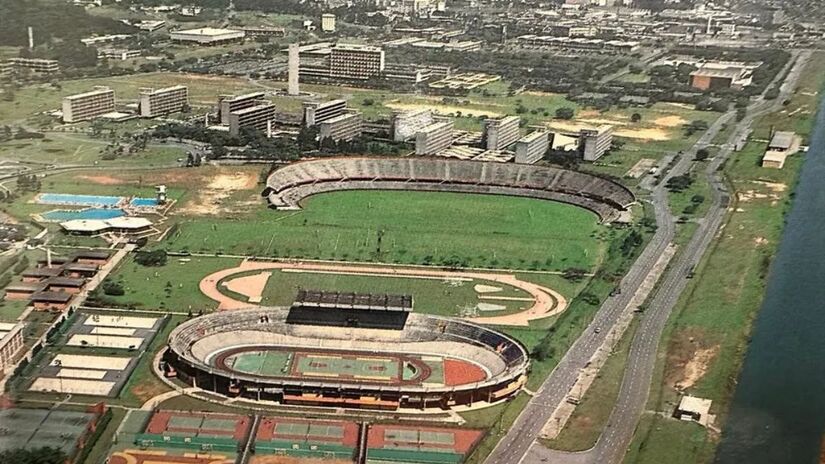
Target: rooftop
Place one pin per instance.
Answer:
(347, 300)
(208, 31)
(782, 140)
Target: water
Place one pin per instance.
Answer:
(144, 202)
(80, 200)
(61, 215)
(778, 410)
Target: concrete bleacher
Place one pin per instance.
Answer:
(287, 186)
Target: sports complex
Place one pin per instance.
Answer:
(347, 350)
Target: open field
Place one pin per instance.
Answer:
(413, 228)
(78, 149)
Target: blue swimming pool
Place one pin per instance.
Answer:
(144, 202)
(60, 215)
(82, 200)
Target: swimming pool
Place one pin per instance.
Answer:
(60, 215)
(138, 202)
(82, 200)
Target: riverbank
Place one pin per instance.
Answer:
(706, 338)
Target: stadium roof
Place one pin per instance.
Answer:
(348, 300)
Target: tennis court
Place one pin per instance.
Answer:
(198, 424)
(34, 428)
(302, 439)
(419, 444)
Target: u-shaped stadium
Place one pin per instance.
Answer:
(365, 352)
(287, 186)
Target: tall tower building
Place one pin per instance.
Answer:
(294, 64)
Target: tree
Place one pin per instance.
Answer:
(702, 154)
(635, 118)
(113, 288)
(565, 113)
(44, 455)
(151, 258)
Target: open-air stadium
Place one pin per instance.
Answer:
(287, 186)
(346, 350)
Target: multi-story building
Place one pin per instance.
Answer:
(230, 103)
(500, 133)
(595, 142)
(434, 138)
(264, 31)
(532, 147)
(406, 124)
(121, 54)
(343, 127)
(88, 105)
(158, 102)
(259, 116)
(206, 36)
(37, 65)
(328, 22)
(358, 62)
(317, 112)
(11, 342)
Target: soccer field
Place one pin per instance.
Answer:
(412, 228)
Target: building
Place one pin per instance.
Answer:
(264, 31)
(120, 225)
(782, 145)
(51, 301)
(293, 66)
(595, 142)
(36, 65)
(153, 103)
(316, 112)
(531, 148)
(230, 103)
(121, 54)
(343, 127)
(358, 62)
(694, 409)
(500, 133)
(722, 75)
(405, 73)
(207, 36)
(88, 105)
(328, 22)
(406, 124)
(434, 138)
(259, 116)
(11, 342)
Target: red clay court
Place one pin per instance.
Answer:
(293, 429)
(199, 424)
(422, 438)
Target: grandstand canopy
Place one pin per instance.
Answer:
(347, 300)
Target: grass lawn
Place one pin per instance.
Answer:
(10, 310)
(412, 228)
(173, 287)
(143, 384)
(636, 78)
(78, 149)
(678, 442)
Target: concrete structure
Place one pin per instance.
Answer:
(328, 22)
(88, 105)
(11, 342)
(316, 112)
(595, 142)
(230, 103)
(264, 31)
(344, 127)
(434, 138)
(406, 124)
(357, 62)
(207, 36)
(531, 148)
(36, 65)
(694, 409)
(259, 116)
(153, 103)
(500, 133)
(122, 225)
(722, 75)
(293, 66)
(782, 145)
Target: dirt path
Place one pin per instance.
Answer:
(547, 302)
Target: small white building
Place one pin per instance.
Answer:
(207, 36)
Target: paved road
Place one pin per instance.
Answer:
(518, 445)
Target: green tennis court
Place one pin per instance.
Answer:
(314, 365)
(298, 429)
(266, 363)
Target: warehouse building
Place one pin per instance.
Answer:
(259, 116)
(231, 103)
(359, 62)
(500, 133)
(531, 148)
(88, 105)
(434, 138)
(160, 102)
(343, 127)
(207, 36)
(595, 142)
(317, 112)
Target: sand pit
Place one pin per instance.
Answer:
(209, 198)
(121, 321)
(113, 331)
(486, 289)
(670, 121)
(81, 374)
(81, 361)
(105, 341)
(251, 286)
(484, 307)
(74, 386)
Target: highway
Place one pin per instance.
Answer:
(519, 443)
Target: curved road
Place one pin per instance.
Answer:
(519, 444)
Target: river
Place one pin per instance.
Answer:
(778, 410)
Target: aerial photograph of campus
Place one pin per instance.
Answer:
(412, 232)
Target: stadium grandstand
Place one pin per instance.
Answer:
(287, 186)
(267, 354)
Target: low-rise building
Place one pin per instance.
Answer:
(328, 22)
(594, 143)
(207, 36)
(434, 138)
(782, 145)
(88, 105)
(121, 54)
(343, 127)
(51, 301)
(159, 102)
(36, 65)
(264, 31)
(532, 147)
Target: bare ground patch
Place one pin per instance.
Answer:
(687, 359)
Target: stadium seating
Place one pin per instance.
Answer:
(287, 186)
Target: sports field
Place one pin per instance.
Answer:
(410, 227)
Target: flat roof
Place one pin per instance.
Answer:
(165, 89)
(357, 47)
(245, 96)
(782, 139)
(56, 297)
(207, 31)
(97, 91)
(533, 136)
(340, 117)
(252, 109)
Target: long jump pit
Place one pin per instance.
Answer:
(546, 302)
